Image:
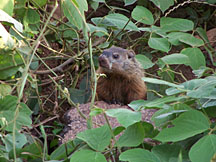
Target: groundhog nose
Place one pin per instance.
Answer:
(103, 61)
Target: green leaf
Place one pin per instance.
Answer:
(98, 31)
(129, 2)
(32, 17)
(8, 114)
(196, 57)
(202, 34)
(163, 5)
(7, 6)
(158, 81)
(124, 116)
(144, 61)
(169, 24)
(74, 11)
(120, 21)
(160, 102)
(86, 155)
(143, 15)
(102, 1)
(161, 44)
(62, 151)
(40, 3)
(165, 115)
(166, 152)
(9, 63)
(5, 90)
(175, 59)
(204, 90)
(188, 124)
(204, 149)
(138, 155)
(20, 141)
(97, 138)
(187, 86)
(191, 40)
(132, 136)
(32, 151)
(7, 18)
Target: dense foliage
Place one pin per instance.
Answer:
(171, 43)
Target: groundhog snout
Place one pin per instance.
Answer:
(103, 61)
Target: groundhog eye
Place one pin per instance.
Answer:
(115, 55)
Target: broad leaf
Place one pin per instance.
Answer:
(204, 149)
(10, 113)
(163, 5)
(188, 124)
(62, 151)
(143, 15)
(132, 136)
(129, 2)
(157, 81)
(191, 40)
(169, 152)
(97, 138)
(195, 56)
(124, 116)
(138, 155)
(74, 11)
(85, 155)
(20, 141)
(5, 17)
(163, 116)
(144, 61)
(31, 16)
(204, 90)
(161, 44)
(5, 90)
(175, 59)
(9, 63)
(7, 6)
(119, 21)
(169, 24)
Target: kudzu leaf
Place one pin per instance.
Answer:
(196, 57)
(124, 116)
(8, 106)
(144, 61)
(163, 5)
(85, 155)
(188, 124)
(204, 149)
(138, 155)
(7, 6)
(132, 136)
(191, 40)
(161, 44)
(5, 90)
(169, 24)
(143, 15)
(166, 152)
(129, 2)
(120, 21)
(74, 11)
(158, 81)
(31, 16)
(175, 59)
(97, 138)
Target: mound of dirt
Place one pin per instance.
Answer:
(75, 123)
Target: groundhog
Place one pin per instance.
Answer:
(122, 83)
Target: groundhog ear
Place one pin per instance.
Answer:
(131, 54)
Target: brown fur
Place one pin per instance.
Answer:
(123, 82)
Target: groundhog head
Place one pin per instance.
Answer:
(117, 60)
